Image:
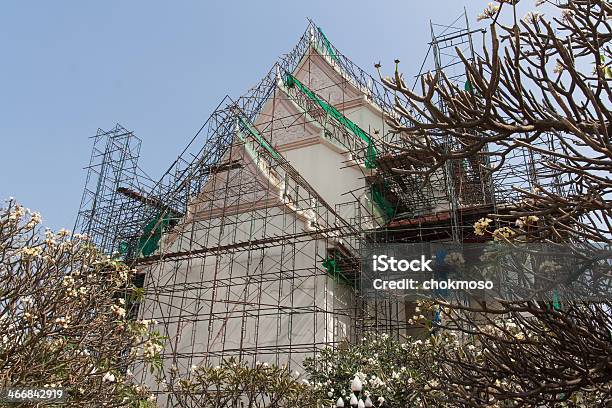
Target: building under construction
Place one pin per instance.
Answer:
(249, 245)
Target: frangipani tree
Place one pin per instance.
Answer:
(63, 316)
(542, 87)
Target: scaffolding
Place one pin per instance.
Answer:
(106, 210)
(446, 205)
(249, 244)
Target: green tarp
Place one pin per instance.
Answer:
(262, 142)
(327, 45)
(382, 203)
(149, 240)
(468, 87)
(371, 153)
(331, 266)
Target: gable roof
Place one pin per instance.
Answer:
(180, 184)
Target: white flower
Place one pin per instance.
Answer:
(532, 17)
(523, 221)
(34, 220)
(151, 349)
(27, 252)
(16, 214)
(377, 382)
(118, 311)
(63, 321)
(108, 377)
(122, 276)
(503, 234)
(559, 68)
(27, 300)
(68, 281)
(481, 225)
(489, 12)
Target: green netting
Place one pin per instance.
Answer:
(382, 203)
(556, 301)
(370, 159)
(331, 266)
(149, 240)
(468, 87)
(262, 142)
(328, 47)
(124, 247)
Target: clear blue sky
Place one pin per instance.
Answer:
(159, 68)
